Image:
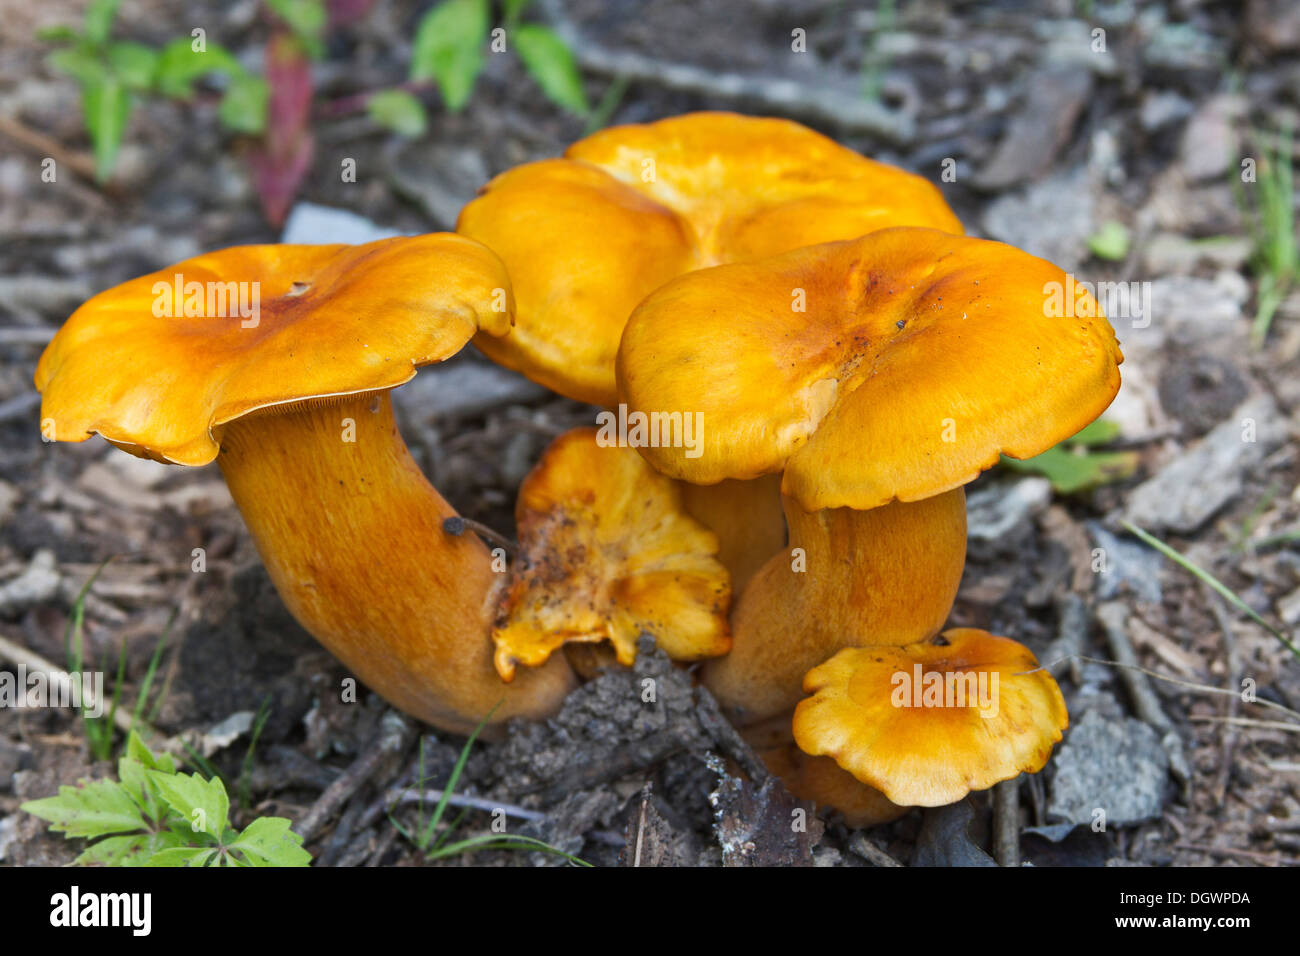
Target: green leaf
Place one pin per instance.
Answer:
(202, 804)
(80, 62)
(127, 850)
(91, 810)
(448, 49)
(551, 64)
(305, 18)
(136, 750)
(399, 111)
(268, 841)
(134, 64)
(182, 856)
(1099, 432)
(99, 19)
(59, 34)
(512, 9)
(179, 65)
(243, 106)
(1111, 241)
(1072, 470)
(107, 106)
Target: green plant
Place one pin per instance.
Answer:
(1074, 465)
(448, 51)
(1110, 242)
(1276, 257)
(153, 815)
(874, 60)
(113, 72)
(436, 844)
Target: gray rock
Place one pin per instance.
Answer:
(1052, 218)
(1195, 484)
(463, 388)
(38, 583)
(1162, 108)
(311, 224)
(1129, 563)
(945, 838)
(1206, 149)
(440, 178)
(1039, 129)
(994, 510)
(1117, 766)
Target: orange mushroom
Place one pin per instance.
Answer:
(606, 553)
(290, 395)
(588, 236)
(878, 376)
(927, 723)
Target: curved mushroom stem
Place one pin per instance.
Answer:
(849, 578)
(351, 533)
(746, 516)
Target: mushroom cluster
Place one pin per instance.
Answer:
(802, 361)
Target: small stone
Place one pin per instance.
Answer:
(1115, 766)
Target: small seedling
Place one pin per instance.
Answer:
(153, 815)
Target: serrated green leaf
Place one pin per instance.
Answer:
(93, 809)
(107, 106)
(179, 65)
(550, 62)
(244, 104)
(448, 49)
(133, 64)
(182, 856)
(202, 804)
(136, 750)
(399, 111)
(268, 841)
(99, 19)
(127, 850)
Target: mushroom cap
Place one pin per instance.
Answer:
(607, 552)
(931, 742)
(586, 237)
(330, 320)
(918, 358)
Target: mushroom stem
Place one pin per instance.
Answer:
(352, 534)
(746, 516)
(849, 578)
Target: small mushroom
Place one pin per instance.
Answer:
(927, 723)
(290, 397)
(606, 553)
